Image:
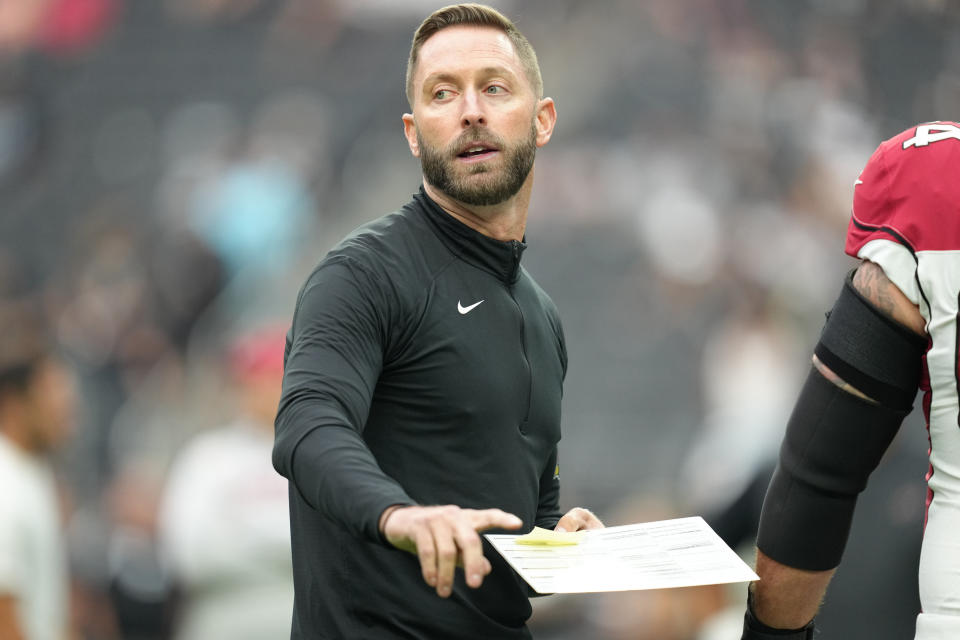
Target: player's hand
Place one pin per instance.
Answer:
(443, 538)
(578, 519)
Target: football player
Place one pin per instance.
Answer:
(893, 329)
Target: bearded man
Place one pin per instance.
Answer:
(424, 367)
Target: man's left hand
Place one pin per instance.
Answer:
(578, 519)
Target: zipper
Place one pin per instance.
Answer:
(511, 286)
(526, 360)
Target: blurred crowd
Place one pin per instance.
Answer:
(171, 169)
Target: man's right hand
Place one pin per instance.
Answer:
(443, 538)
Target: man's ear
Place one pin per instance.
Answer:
(410, 131)
(546, 120)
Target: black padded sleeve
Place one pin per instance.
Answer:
(871, 351)
(834, 441)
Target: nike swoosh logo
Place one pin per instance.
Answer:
(858, 182)
(465, 310)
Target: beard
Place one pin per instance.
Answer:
(483, 183)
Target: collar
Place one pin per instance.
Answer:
(498, 257)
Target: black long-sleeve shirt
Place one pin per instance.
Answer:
(423, 366)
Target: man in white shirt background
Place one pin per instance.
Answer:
(224, 521)
(37, 407)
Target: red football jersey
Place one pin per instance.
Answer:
(910, 191)
(906, 218)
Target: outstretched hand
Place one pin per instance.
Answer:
(444, 538)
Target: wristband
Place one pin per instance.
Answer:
(753, 629)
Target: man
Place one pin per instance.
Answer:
(223, 519)
(424, 367)
(36, 413)
(893, 329)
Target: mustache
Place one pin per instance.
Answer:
(475, 135)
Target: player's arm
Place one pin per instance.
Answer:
(865, 375)
(877, 288)
(9, 621)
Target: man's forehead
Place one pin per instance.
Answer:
(484, 46)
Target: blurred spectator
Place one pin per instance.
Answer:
(748, 385)
(139, 582)
(253, 214)
(37, 403)
(224, 517)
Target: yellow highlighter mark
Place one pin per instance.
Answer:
(545, 537)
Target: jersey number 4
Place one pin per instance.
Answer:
(933, 132)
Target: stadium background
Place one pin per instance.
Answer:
(171, 169)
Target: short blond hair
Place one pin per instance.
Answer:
(477, 15)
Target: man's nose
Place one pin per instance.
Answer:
(473, 111)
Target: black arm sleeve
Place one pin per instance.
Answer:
(331, 369)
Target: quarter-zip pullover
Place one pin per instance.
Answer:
(424, 366)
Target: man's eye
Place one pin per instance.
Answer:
(441, 94)
(494, 89)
